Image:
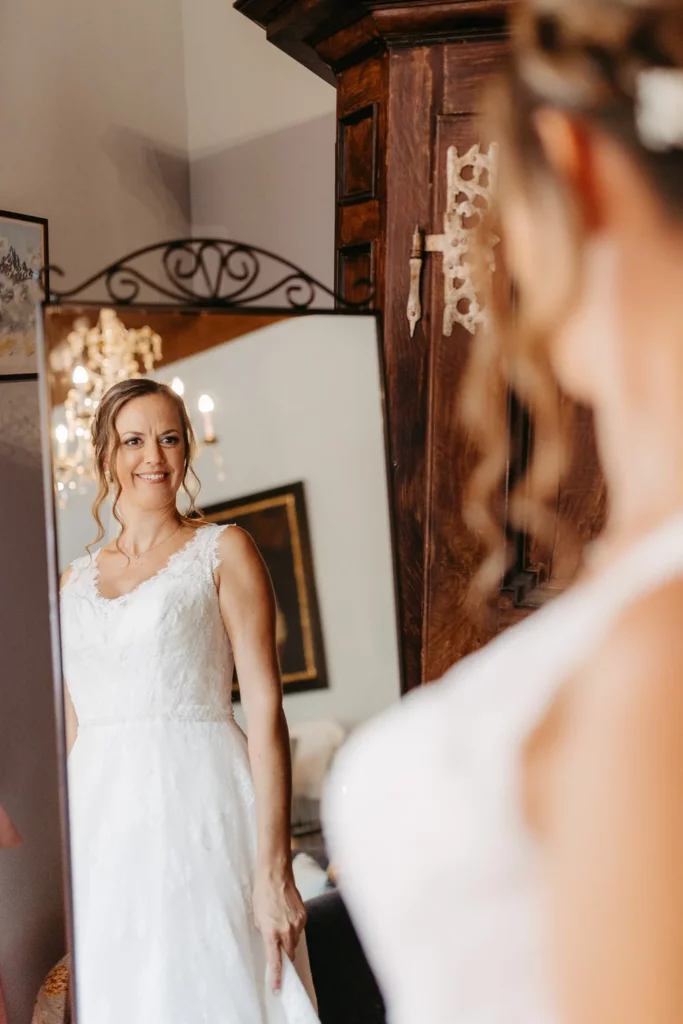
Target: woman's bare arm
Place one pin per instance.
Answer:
(615, 826)
(248, 609)
(70, 717)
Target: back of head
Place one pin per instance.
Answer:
(615, 63)
(614, 68)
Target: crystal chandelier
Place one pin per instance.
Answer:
(93, 359)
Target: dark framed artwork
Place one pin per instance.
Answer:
(278, 524)
(24, 260)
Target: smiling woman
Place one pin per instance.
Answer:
(142, 436)
(184, 889)
(174, 605)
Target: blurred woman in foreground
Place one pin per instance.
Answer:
(510, 841)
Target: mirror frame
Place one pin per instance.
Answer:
(190, 275)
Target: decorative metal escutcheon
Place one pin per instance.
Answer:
(471, 182)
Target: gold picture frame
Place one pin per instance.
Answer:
(277, 521)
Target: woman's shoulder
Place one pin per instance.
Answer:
(234, 546)
(625, 703)
(639, 660)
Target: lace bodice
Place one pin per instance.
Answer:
(162, 808)
(160, 651)
(424, 813)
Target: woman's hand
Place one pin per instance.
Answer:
(280, 916)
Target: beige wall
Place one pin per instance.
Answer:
(109, 100)
(93, 129)
(93, 124)
(261, 140)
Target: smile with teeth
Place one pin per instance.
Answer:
(153, 477)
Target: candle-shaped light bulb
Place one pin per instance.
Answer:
(178, 386)
(80, 379)
(61, 436)
(206, 407)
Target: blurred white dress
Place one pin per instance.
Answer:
(424, 817)
(161, 804)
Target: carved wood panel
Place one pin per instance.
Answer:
(357, 167)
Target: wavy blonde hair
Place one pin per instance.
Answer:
(584, 57)
(106, 443)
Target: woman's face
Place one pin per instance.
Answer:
(150, 461)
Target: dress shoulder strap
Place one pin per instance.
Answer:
(657, 559)
(212, 533)
(77, 568)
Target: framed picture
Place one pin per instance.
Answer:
(24, 261)
(278, 523)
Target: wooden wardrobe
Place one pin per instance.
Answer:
(409, 77)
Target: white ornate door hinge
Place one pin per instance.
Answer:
(470, 185)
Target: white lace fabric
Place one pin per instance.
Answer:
(424, 820)
(161, 805)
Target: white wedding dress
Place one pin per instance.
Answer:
(424, 819)
(161, 805)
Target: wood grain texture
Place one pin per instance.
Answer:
(355, 265)
(359, 223)
(414, 84)
(360, 85)
(340, 50)
(357, 151)
(469, 68)
(453, 555)
(327, 36)
(429, 22)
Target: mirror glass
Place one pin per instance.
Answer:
(158, 623)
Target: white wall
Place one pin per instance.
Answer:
(301, 400)
(239, 86)
(261, 140)
(108, 102)
(93, 125)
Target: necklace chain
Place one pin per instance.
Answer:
(131, 554)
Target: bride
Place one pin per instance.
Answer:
(510, 840)
(185, 907)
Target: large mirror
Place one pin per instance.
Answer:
(164, 626)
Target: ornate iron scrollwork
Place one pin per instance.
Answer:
(207, 272)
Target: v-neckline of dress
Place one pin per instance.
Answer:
(95, 576)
